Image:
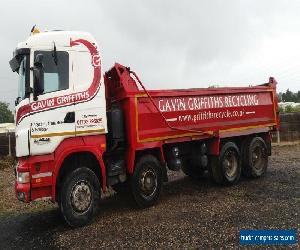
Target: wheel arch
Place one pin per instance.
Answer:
(90, 155)
(155, 151)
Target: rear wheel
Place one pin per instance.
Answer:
(146, 181)
(79, 196)
(255, 158)
(226, 168)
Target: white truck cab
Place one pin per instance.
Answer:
(60, 92)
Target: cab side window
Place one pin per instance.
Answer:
(56, 72)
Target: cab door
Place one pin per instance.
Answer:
(53, 117)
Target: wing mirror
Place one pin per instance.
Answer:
(14, 64)
(38, 76)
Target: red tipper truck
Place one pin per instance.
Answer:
(78, 132)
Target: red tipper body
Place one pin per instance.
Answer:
(153, 118)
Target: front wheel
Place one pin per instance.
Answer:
(146, 181)
(79, 196)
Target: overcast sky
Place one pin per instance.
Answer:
(170, 44)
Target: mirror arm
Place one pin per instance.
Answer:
(38, 76)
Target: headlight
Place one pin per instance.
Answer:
(23, 177)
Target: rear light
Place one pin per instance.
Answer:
(23, 177)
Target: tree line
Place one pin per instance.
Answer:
(6, 116)
(289, 96)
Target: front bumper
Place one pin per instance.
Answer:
(23, 191)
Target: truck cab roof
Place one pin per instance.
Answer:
(61, 39)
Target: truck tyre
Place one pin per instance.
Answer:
(79, 196)
(226, 168)
(255, 158)
(146, 181)
(214, 173)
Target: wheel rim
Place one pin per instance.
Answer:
(81, 197)
(148, 182)
(230, 164)
(258, 157)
